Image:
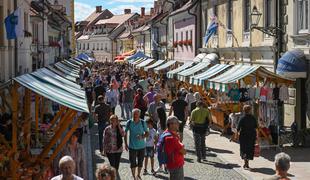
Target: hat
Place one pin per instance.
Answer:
(173, 119)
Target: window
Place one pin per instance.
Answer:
(268, 13)
(246, 15)
(229, 15)
(97, 46)
(101, 46)
(182, 36)
(1, 27)
(87, 46)
(303, 15)
(25, 21)
(177, 37)
(191, 35)
(186, 35)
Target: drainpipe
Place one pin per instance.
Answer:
(196, 24)
(172, 3)
(15, 48)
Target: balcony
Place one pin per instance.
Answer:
(229, 40)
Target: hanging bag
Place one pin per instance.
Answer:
(256, 150)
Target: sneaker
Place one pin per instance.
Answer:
(153, 172)
(199, 160)
(166, 171)
(159, 169)
(145, 172)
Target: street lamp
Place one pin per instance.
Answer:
(270, 30)
(255, 16)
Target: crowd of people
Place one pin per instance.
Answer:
(150, 130)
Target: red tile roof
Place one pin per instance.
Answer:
(116, 19)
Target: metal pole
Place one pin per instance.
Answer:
(43, 34)
(15, 48)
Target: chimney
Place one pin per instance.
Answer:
(155, 7)
(98, 9)
(152, 11)
(127, 11)
(142, 11)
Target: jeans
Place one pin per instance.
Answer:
(200, 144)
(128, 110)
(101, 127)
(134, 155)
(114, 159)
(122, 109)
(176, 174)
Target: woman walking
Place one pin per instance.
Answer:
(140, 103)
(247, 135)
(113, 141)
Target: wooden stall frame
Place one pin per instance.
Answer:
(13, 162)
(67, 119)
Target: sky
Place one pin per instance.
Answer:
(83, 8)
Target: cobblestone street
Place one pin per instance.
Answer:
(213, 168)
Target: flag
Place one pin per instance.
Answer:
(211, 30)
(14, 25)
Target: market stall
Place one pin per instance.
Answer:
(38, 138)
(184, 75)
(252, 85)
(154, 65)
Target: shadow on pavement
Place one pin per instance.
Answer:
(221, 165)
(189, 160)
(268, 171)
(220, 150)
(297, 154)
(189, 178)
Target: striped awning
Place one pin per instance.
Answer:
(157, 63)
(192, 70)
(145, 63)
(138, 61)
(164, 66)
(173, 72)
(199, 79)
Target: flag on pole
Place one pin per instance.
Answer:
(211, 30)
(14, 25)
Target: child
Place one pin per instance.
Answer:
(151, 141)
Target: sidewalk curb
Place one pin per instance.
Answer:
(221, 158)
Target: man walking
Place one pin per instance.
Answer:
(138, 131)
(128, 97)
(112, 97)
(200, 121)
(179, 109)
(175, 149)
(153, 109)
(102, 115)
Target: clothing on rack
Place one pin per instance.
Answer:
(283, 94)
(244, 95)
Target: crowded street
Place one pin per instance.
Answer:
(154, 89)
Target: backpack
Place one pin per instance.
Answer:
(129, 122)
(161, 152)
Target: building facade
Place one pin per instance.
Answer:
(234, 40)
(298, 34)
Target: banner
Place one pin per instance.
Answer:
(14, 25)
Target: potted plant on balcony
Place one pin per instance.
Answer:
(175, 44)
(181, 43)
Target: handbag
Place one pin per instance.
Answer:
(256, 150)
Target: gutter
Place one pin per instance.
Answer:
(196, 25)
(184, 10)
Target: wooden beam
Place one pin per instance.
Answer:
(64, 141)
(56, 117)
(37, 99)
(42, 111)
(27, 115)
(15, 98)
(67, 119)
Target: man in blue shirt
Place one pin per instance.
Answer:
(138, 132)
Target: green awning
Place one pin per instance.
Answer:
(164, 66)
(68, 63)
(67, 67)
(60, 82)
(186, 65)
(66, 70)
(212, 71)
(157, 63)
(192, 70)
(138, 61)
(63, 74)
(53, 92)
(145, 63)
(75, 62)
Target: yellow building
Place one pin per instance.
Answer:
(234, 40)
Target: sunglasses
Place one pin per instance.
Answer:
(104, 174)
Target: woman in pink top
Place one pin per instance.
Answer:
(113, 141)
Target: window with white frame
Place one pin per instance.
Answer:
(268, 13)
(246, 15)
(215, 14)
(229, 15)
(303, 16)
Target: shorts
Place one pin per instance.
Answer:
(149, 152)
